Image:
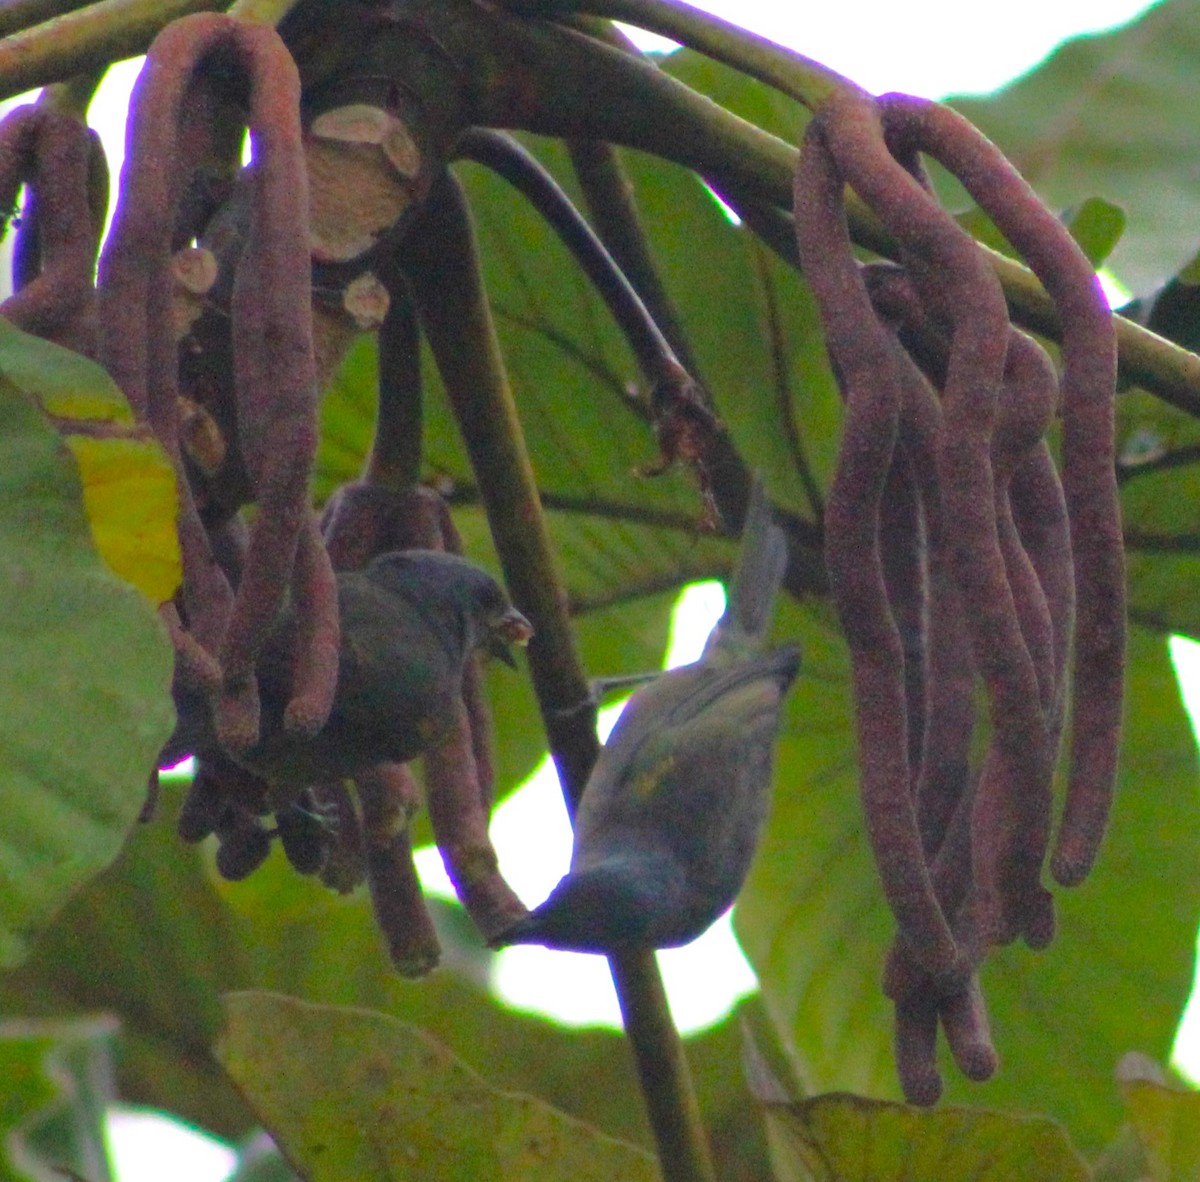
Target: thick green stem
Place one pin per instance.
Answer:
(74, 96)
(87, 39)
(395, 459)
(440, 259)
(507, 158)
(610, 202)
(264, 12)
(807, 81)
(443, 265)
(24, 14)
(667, 1087)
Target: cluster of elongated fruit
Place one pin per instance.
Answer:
(237, 579)
(956, 553)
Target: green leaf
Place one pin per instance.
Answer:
(259, 1160)
(156, 940)
(1097, 225)
(761, 105)
(1123, 1159)
(130, 502)
(1167, 1123)
(1110, 114)
(65, 384)
(1157, 449)
(128, 482)
(356, 1094)
(85, 682)
(53, 1098)
(850, 1139)
(814, 925)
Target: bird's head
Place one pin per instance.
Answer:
(614, 905)
(464, 598)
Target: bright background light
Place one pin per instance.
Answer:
(927, 47)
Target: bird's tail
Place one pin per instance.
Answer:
(757, 576)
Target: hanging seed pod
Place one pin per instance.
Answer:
(304, 833)
(942, 771)
(272, 348)
(459, 816)
(244, 845)
(1012, 827)
(866, 360)
(399, 906)
(958, 286)
(345, 859)
(61, 161)
(1089, 472)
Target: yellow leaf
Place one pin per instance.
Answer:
(129, 498)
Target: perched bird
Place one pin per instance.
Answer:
(672, 813)
(409, 621)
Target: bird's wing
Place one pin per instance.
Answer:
(656, 728)
(682, 693)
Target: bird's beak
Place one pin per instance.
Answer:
(506, 629)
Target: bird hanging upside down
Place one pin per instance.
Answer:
(672, 812)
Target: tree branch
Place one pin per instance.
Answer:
(508, 159)
(87, 39)
(443, 265)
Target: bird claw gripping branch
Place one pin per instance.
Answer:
(995, 571)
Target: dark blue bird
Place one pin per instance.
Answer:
(409, 622)
(673, 810)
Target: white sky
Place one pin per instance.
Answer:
(927, 47)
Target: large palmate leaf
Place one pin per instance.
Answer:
(348, 1093)
(128, 483)
(1166, 1122)
(57, 1084)
(84, 681)
(157, 939)
(815, 927)
(849, 1139)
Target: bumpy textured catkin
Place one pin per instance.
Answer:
(958, 286)
(272, 347)
(52, 152)
(1089, 473)
(865, 356)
